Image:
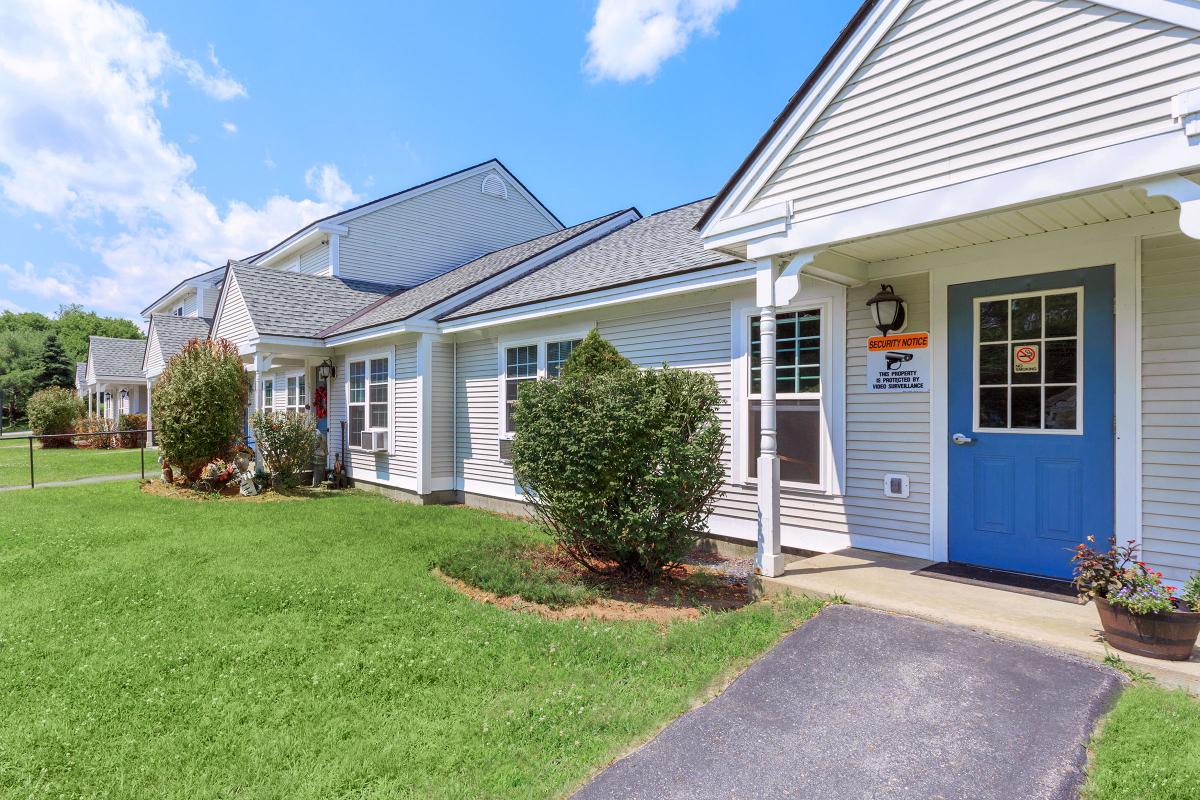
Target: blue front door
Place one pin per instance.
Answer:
(1031, 419)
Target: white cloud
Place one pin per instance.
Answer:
(328, 185)
(631, 39)
(229, 127)
(9, 305)
(269, 162)
(81, 82)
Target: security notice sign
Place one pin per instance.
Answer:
(898, 363)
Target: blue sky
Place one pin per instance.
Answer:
(140, 143)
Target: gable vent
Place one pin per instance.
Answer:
(494, 185)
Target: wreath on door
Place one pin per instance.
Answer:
(321, 402)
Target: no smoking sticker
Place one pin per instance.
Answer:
(1026, 358)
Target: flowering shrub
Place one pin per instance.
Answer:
(1118, 577)
(287, 441)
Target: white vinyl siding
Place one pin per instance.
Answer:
(1171, 405)
(211, 295)
(234, 322)
(314, 261)
(883, 434)
(959, 89)
(419, 238)
(407, 409)
(188, 303)
(154, 361)
(442, 410)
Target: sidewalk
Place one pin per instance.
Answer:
(76, 482)
(887, 583)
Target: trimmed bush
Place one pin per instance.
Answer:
(198, 403)
(54, 411)
(287, 441)
(128, 423)
(622, 465)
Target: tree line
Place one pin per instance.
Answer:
(37, 351)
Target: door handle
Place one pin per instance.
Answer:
(959, 438)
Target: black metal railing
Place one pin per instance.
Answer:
(143, 436)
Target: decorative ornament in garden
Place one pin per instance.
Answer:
(1139, 612)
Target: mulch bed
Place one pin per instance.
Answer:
(229, 492)
(705, 582)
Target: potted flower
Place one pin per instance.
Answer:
(1140, 613)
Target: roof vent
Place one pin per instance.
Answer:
(494, 185)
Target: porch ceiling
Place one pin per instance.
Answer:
(1055, 215)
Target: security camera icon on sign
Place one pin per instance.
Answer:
(894, 359)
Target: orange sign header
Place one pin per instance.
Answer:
(899, 341)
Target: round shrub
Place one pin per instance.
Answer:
(287, 442)
(198, 403)
(622, 465)
(54, 411)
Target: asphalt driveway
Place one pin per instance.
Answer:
(862, 704)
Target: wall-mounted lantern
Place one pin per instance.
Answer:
(888, 309)
(325, 370)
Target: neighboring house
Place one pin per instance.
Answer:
(1020, 172)
(113, 381)
(81, 379)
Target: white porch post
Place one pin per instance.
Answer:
(769, 558)
(149, 413)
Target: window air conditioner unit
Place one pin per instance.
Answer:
(506, 450)
(373, 441)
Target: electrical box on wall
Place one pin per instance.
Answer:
(895, 486)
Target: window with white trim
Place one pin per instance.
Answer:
(297, 393)
(527, 362)
(268, 393)
(557, 354)
(798, 423)
(367, 395)
(520, 366)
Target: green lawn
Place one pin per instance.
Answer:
(65, 464)
(159, 648)
(1148, 748)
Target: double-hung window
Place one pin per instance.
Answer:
(798, 424)
(367, 396)
(297, 393)
(528, 362)
(268, 393)
(520, 366)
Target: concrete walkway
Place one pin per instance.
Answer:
(862, 704)
(887, 582)
(76, 482)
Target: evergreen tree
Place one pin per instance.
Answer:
(55, 369)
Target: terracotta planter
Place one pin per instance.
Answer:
(1167, 636)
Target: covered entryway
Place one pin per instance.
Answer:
(1031, 412)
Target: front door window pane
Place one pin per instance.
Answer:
(1027, 362)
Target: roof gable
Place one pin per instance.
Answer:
(405, 304)
(333, 221)
(772, 181)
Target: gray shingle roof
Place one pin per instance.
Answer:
(80, 372)
(116, 357)
(660, 244)
(296, 304)
(174, 332)
(404, 304)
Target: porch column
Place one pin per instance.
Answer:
(149, 413)
(769, 558)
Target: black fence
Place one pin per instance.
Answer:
(141, 436)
